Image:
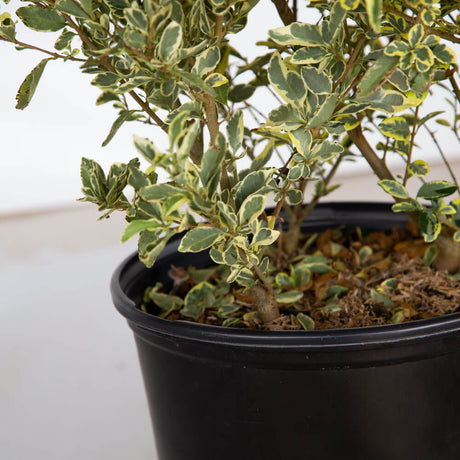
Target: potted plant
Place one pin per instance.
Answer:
(211, 252)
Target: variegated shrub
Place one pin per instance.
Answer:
(169, 63)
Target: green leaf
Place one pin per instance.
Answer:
(419, 168)
(124, 116)
(456, 236)
(160, 192)
(64, 40)
(395, 127)
(264, 157)
(137, 226)
(375, 75)
(170, 42)
(297, 33)
(252, 183)
(210, 165)
(235, 130)
(381, 298)
(307, 323)
(397, 48)
(149, 251)
(289, 297)
(412, 206)
(317, 82)
(289, 85)
(374, 12)
(430, 226)
(106, 80)
(197, 300)
(251, 208)
(41, 19)
(265, 237)
(294, 196)
(207, 61)
(146, 148)
(72, 8)
(7, 28)
(199, 238)
(349, 4)
(331, 308)
(29, 85)
(93, 181)
(415, 35)
(166, 302)
(436, 189)
(194, 80)
(430, 255)
(394, 188)
(137, 19)
(325, 151)
(444, 54)
(302, 140)
(241, 92)
(324, 113)
(309, 55)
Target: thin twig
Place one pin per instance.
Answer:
(443, 156)
(50, 53)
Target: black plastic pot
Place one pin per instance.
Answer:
(389, 392)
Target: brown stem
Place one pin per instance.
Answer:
(455, 87)
(378, 166)
(353, 57)
(411, 146)
(265, 301)
(50, 53)
(285, 13)
(219, 29)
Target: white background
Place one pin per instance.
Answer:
(41, 146)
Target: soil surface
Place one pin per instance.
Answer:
(340, 279)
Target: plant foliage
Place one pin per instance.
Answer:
(365, 65)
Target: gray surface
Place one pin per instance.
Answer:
(70, 385)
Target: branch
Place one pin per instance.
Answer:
(428, 30)
(50, 53)
(285, 13)
(105, 62)
(378, 166)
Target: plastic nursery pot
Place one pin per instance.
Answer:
(377, 393)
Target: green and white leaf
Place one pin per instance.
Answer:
(436, 189)
(29, 85)
(289, 297)
(251, 208)
(265, 237)
(394, 188)
(197, 300)
(316, 81)
(297, 34)
(137, 226)
(170, 42)
(375, 75)
(395, 127)
(200, 238)
(306, 321)
(288, 84)
(41, 19)
(235, 130)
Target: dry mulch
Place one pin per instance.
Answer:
(411, 290)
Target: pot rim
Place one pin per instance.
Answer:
(330, 339)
